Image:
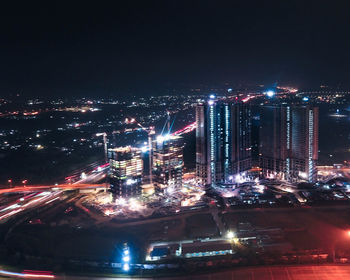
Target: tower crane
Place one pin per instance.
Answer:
(105, 142)
(150, 132)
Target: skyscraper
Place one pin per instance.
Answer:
(167, 162)
(289, 142)
(126, 167)
(223, 140)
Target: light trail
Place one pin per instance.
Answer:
(187, 129)
(28, 274)
(36, 200)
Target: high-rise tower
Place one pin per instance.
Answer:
(289, 142)
(223, 140)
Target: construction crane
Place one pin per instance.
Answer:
(150, 132)
(105, 142)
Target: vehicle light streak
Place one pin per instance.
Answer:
(186, 129)
(37, 274)
(47, 202)
(40, 197)
(9, 273)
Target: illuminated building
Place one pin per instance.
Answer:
(223, 140)
(167, 162)
(289, 142)
(126, 167)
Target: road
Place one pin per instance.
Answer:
(27, 202)
(301, 272)
(87, 182)
(31, 196)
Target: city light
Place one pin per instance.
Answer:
(130, 182)
(126, 258)
(270, 93)
(126, 267)
(161, 138)
(144, 149)
(230, 235)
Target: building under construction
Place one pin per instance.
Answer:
(126, 168)
(167, 162)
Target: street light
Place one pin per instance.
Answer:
(126, 258)
(24, 182)
(10, 182)
(126, 267)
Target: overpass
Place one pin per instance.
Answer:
(36, 188)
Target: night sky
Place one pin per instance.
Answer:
(118, 47)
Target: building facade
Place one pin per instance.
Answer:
(289, 142)
(223, 141)
(126, 168)
(167, 162)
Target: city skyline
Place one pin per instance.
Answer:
(175, 139)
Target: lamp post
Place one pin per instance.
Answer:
(126, 258)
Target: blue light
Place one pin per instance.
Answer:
(126, 259)
(305, 98)
(212, 96)
(229, 89)
(126, 267)
(270, 93)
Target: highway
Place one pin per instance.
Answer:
(293, 272)
(88, 181)
(32, 196)
(308, 272)
(27, 202)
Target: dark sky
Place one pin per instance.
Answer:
(106, 47)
